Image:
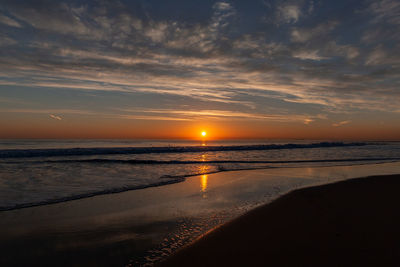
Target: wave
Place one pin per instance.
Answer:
(55, 152)
(171, 179)
(164, 180)
(175, 162)
(176, 179)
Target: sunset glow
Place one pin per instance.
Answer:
(162, 70)
(181, 115)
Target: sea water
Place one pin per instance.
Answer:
(39, 172)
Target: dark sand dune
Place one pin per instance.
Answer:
(349, 223)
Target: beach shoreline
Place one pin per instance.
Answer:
(346, 223)
(143, 227)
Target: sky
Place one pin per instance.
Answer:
(171, 69)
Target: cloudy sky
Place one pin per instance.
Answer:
(169, 69)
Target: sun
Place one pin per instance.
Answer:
(203, 133)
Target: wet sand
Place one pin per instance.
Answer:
(348, 223)
(145, 226)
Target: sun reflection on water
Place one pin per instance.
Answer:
(203, 182)
(204, 178)
(204, 169)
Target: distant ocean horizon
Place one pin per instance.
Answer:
(43, 171)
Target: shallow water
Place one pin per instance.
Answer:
(38, 172)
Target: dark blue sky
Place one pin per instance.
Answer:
(313, 66)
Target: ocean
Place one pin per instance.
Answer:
(40, 172)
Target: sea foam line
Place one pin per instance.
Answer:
(164, 180)
(172, 179)
(174, 162)
(54, 152)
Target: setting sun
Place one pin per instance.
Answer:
(203, 133)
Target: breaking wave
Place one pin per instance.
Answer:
(54, 152)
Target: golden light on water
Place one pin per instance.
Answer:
(204, 169)
(204, 179)
(203, 182)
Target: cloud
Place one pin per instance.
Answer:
(377, 56)
(55, 117)
(289, 13)
(9, 21)
(223, 11)
(384, 19)
(302, 35)
(6, 41)
(385, 11)
(310, 7)
(308, 121)
(223, 6)
(157, 31)
(52, 16)
(46, 111)
(177, 114)
(312, 55)
(340, 123)
(312, 67)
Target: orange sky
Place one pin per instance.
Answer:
(111, 128)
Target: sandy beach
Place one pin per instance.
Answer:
(348, 223)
